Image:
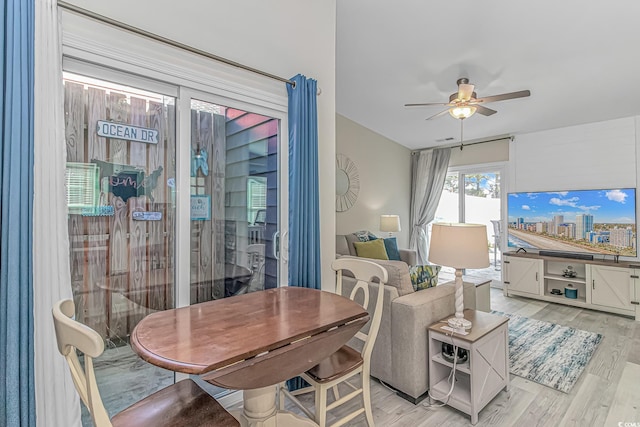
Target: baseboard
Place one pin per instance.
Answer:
(414, 400)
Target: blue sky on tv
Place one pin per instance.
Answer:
(614, 206)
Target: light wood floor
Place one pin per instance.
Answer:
(607, 393)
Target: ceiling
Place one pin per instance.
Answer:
(579, 59)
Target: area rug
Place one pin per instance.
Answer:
(547, 353)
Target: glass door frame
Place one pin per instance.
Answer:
(499, 167)
(183, 184)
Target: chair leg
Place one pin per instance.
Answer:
(366, 397)
(321, 405)
(281, 386)
(336, 393)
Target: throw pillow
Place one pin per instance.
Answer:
(371, 249)
(424, 276)
(391, 245)
(365, 236)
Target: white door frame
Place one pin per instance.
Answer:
(500, 167)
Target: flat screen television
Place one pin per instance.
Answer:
(589, 221)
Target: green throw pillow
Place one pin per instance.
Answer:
(371, 249)
(424, 276)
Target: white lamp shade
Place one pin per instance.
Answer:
(459, 245)
(390, 223)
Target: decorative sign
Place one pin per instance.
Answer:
(106, 210)
(200, 208)
(128, 132)
(126, 181)
(147, 216)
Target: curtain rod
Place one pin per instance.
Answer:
(135, 30)
(464, 144)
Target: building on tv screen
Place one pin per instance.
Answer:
(597, 221)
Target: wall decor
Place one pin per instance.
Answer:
(200, 208)
(128, 132)
(347, 183)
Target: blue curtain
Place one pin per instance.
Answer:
(17, 397)
(304, 214)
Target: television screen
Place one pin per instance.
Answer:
(594, 221)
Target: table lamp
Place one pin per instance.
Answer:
(390, 224)
(459, 246)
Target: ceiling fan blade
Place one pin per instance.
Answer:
(441, 113)
(484, 110)
(465, 91)
(426, 104)
(502, 97)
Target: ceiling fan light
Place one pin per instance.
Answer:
(462, 112)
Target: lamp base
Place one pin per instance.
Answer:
(460, 323)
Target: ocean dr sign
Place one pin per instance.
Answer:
(131, 133)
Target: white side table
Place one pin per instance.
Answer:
(483, 375)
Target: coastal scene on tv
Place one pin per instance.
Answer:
(596, 221)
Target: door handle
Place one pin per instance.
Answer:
(276, 244)
(593, 284)
(536, 276)
(284, 250)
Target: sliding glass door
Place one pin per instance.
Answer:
(234, 201)
(474, 195)
(173, 199)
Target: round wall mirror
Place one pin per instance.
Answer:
(342, 182)
(347, 183)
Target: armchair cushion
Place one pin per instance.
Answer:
(398, 275)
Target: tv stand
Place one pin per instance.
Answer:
(608, 286)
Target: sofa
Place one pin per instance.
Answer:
(400, 354)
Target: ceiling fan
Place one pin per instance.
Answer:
(464, 103)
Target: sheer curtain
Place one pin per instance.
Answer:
(57, 403)
(428, 173)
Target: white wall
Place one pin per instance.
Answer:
(282, 37)
(385, 180)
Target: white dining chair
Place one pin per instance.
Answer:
(183, 404)
(345, 363)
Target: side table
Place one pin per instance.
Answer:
(483, 375)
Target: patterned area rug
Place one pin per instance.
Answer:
(547, 353)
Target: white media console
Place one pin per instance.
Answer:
(601, 285)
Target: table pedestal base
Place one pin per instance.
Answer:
(259, 410)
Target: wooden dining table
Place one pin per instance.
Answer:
(251, 342)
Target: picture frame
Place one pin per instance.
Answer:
(200, 208)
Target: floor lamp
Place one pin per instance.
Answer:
(459, 246)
